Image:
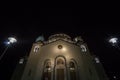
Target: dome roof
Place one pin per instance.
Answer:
(61, 36)
(40, 38)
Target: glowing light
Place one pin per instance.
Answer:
(60, 48)
(113, 40)
(97, 60)
(8, 42)
(114, 77)
(21, 61)
(12, 40)
(63, 49)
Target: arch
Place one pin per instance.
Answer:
(73, 60)
(62, 57)
(73, 69)
(72, 65)
(46, 75)
(60, 62)
(83, 48)
(36, 48)
(60, 68)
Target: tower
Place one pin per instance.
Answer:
(59, 58)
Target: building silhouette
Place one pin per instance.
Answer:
(59, 58)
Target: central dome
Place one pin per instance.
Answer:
(60, 36)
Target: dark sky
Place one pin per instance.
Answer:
(26, 24)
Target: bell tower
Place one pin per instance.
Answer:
(60, 58)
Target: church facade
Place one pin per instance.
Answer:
(59, 58)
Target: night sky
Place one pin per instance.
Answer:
(95, 26)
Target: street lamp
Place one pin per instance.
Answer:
(11, 40)
(114, 41)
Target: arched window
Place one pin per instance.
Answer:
(60, 62)
(60, 69)
(72, 69)
(36, 48)
(47, 71)
(72, 66)
(83, 48)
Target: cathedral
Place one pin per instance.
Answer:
(59, 58)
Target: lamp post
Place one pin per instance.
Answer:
(11, 40)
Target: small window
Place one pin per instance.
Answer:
(36, 48)
(72, 66)
(83, 48)
(60, 46)
(48, 66)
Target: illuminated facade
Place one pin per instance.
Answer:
(59, 58)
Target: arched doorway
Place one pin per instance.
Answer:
(73, 70)
(60, 69)
(47, 70)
